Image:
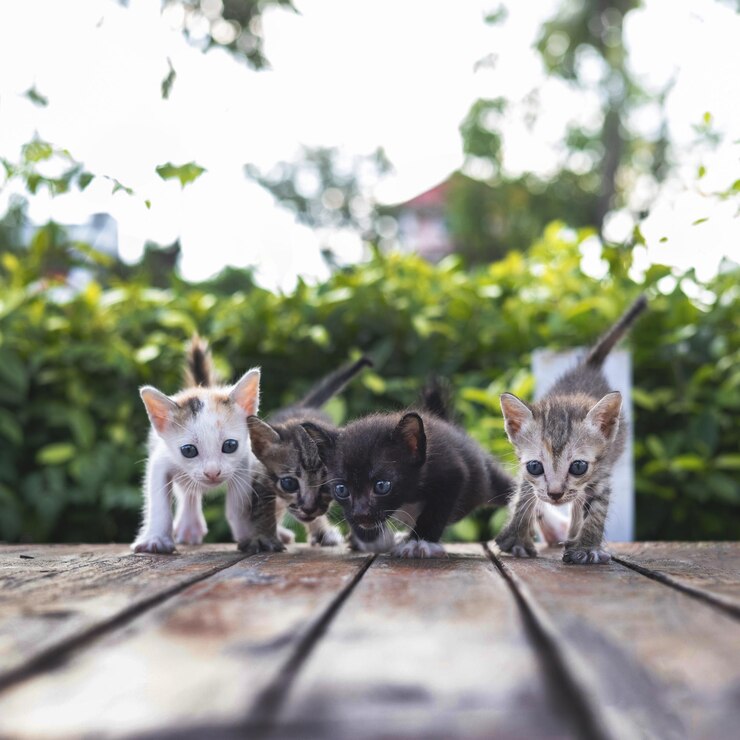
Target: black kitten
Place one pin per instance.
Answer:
(424, 473)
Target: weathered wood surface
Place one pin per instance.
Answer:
(332, 644)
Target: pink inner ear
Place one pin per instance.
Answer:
(247, 393)
(515, 413)
(158, 411)
(605, 414)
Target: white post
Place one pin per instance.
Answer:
(547, 367)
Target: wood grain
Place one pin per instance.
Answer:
(52, 596)
(425, 648)
(197, 660)
(709, 570)
(658, 663)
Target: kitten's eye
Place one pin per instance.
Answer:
(289, 484)
(382, 487)
(341, 491)
(534, 467)
(578, 467)
(189, 451)
(229, 446)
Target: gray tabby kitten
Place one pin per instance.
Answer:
(290, 457)
(567, 443)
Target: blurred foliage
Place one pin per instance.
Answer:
(74, 429)
(493, 210)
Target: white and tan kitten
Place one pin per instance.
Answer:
(199, 441)
(567, 444)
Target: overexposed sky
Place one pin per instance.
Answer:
(357, 74)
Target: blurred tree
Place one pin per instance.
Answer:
(493, 211)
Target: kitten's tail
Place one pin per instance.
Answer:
(604, 346)
(199, 370)
(332, 384)
(436, 398)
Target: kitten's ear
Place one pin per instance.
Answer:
(410, 433)
(159, 407)
(516, 415)
(261, 435)
(325, 439)
(605, 414)
(246, 392)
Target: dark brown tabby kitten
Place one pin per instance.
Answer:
(415, 469)
(290, 457)
(567, 444)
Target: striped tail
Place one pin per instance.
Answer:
(199, 370)
(332, 384)
(598, 354)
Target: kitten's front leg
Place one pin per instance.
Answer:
(423, 540)
(517, 536)
(190, 524)
(322, 533)
(586, 545)
(155, 535)
(252, 519)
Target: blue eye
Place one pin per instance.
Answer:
(289, 484)
(382, 487)
(189, 451)
(341, 491)
(534, 467)
(578, 467)
(229, 446)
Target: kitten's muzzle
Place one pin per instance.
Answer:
(555, 496)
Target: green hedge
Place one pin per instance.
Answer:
(73, 429)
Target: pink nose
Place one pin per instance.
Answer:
(213, 476)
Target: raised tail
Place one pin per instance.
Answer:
(604, 346)
(332, 384)
(199, 370)
(436, 398)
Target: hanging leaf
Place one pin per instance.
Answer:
(185, 173)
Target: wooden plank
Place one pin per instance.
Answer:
(197, 660)
(657, 662)
(708, 570)
(53, 597)
(425, 648)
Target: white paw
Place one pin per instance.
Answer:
(327, 538)
(154, 544)
(190, 532)
(287, 536)
(419, 549)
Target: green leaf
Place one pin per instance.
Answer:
(185, 173)
(36, 97)
(10, 428)
(55, 454)
(728, 462)
(168, 81)
(700, 221)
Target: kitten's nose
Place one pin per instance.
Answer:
(555, 495)
(213, 477)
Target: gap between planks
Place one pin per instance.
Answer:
(714, 600)
(58, 653)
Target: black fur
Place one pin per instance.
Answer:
(428, 461)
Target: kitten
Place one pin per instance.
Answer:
(291, 458)
(199, 441)
(420, 471)
(567, 444)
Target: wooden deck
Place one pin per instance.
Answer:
(328, 644)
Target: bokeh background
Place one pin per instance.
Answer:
(444, 188)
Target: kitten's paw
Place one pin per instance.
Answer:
(523, 551)
(162, 544)
(517, 547)
(419, 549)
(260, 543)
(578, 556)
(287, 536)
(190, 533)
(327, 538)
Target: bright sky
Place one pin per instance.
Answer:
(350, 73)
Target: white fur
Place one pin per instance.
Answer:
(382, 543)
(419, 549)
(553, 524)
(169, 471)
